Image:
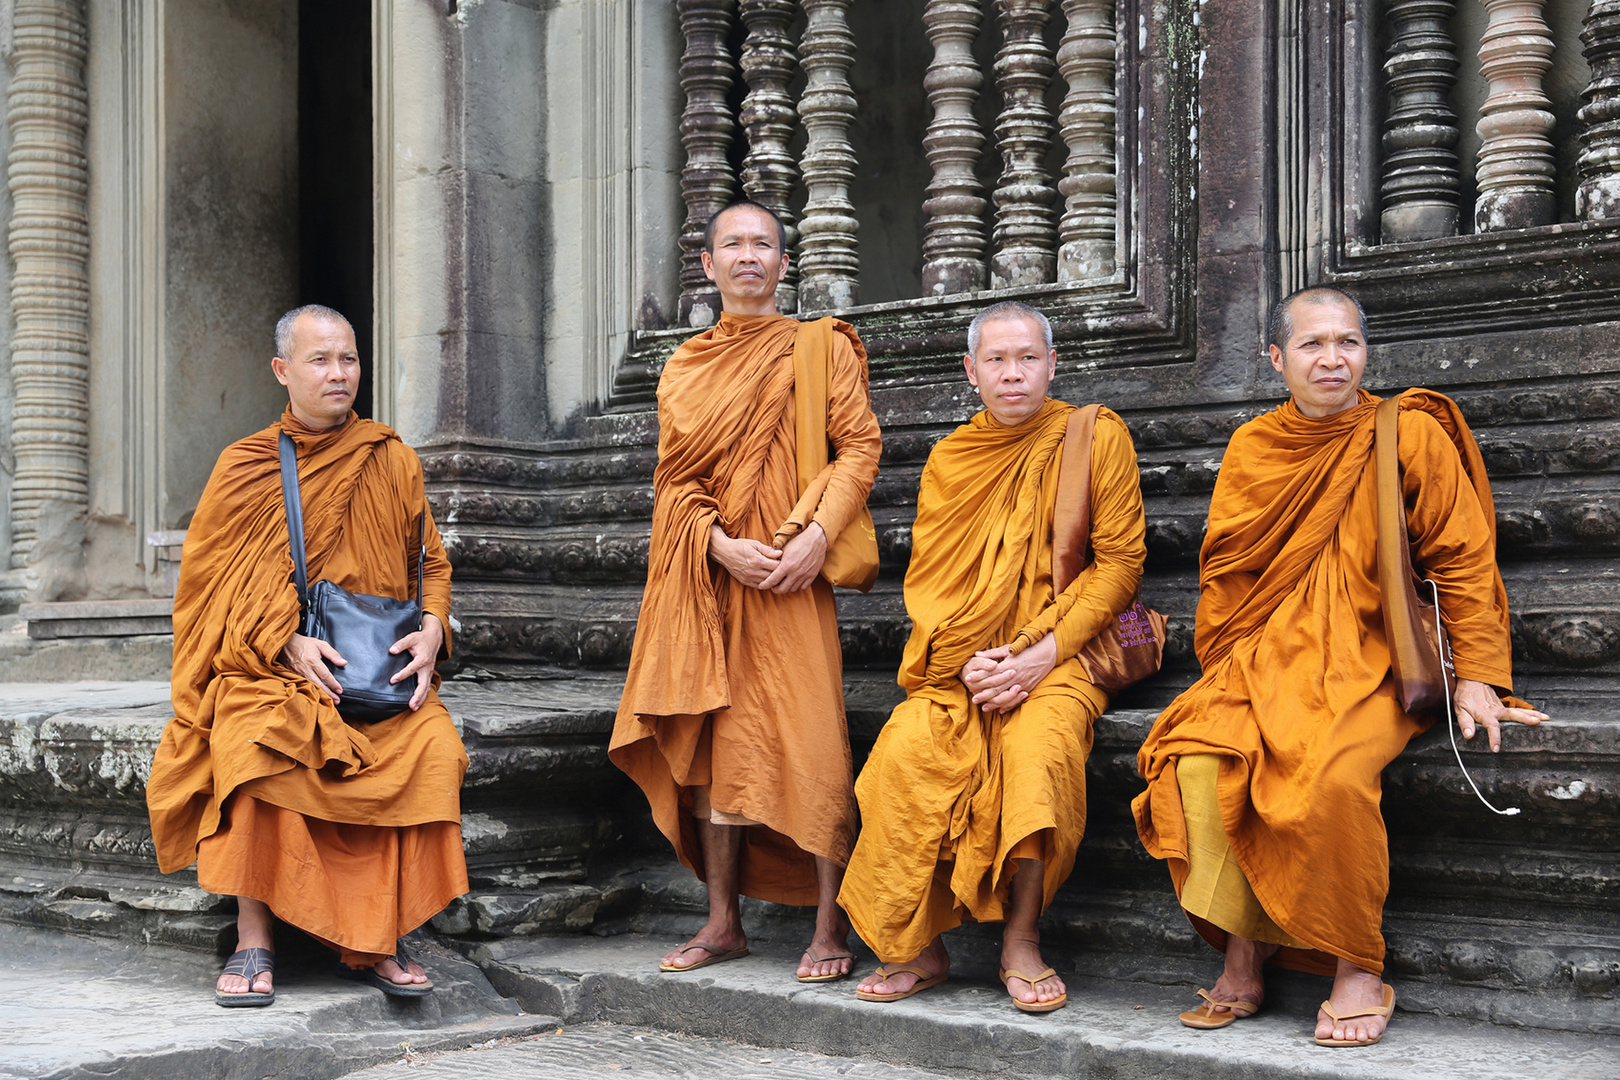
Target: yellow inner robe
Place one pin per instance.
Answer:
(951, 794)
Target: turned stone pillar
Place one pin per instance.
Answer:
(1025, 232)
(954, 235)
(1598, 195)
(1086, 60)
(829, 263)
(707, 128)
(48, 113)
(1420, 188)
(1516, 170)
(769, 171)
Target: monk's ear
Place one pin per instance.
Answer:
(781, 271)
(973, 376)
(708, 264)
(1276, 358)
(278, 367)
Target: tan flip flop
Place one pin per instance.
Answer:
(925, 979)
(835, 976)
(1033, 1006)
(1207, 1019)
(1384, 1010)
(716, 955)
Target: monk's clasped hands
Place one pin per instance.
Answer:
(759, 566)
(1001, 680)
(1479, 705)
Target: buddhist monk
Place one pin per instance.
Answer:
(732, 720)
(1263, 777)
(348, 831)
(974, 799)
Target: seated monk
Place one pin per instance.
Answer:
(349, 832)
(974, 799)
(1263, 777)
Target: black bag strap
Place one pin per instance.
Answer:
(295, 527)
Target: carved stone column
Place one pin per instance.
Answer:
(769, 171)
(1516, 167)
(1086, 60)
(707, 128)
(954, 235)
(1025, 232)
(829, 263)
(1420, 134)
(1599, 193)
(48, 113)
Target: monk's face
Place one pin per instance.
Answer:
(1012, 369)
(748, 261)
(1324, 358)
(322, 372)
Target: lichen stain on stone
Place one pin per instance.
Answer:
(1573, 790)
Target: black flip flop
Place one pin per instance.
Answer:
(250, 964)
(388, 986)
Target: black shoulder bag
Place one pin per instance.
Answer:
(362, 628)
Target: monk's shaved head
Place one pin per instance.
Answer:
(1007, 309)
(1282, 315)
(714, 224)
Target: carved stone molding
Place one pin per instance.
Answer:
(1025, 231)
(954, 235)
(768, 116)
(1598, 195)
(1420, 183)
(47, 109)
(707, 128)
(829, 263)
(1516, 168)
(1086, 60)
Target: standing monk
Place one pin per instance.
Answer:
(732, 719)
(974, 799)
(1263, 778)
(349, 832)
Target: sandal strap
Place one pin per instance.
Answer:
(402, 956)
(1014, 973)
(1246, 1006)
(250, 963)
(886, 970)
(814, 959)
(1376, 1010)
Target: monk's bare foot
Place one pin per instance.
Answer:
(410, 975)
(723, 936)
(253, 931)
(934, 959)
(828, 955)
(1354, 991)
(1244, 978)
(1023, 953)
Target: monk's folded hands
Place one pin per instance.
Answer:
(749, 561)
(1478, 705)
(801, 561)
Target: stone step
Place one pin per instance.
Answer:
(1110, 1028)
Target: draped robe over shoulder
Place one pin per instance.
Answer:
(1296, 697)
(950, 792)
(349, 831)
(731, 688)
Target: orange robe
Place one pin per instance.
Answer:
(731, 687)
(950, 793)
(350, 832)
(1296, 697)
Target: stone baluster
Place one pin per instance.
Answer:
(1516, 169)
(769, 171)
(1085, 58)
(1025, 232)
(1598, 195)
(707, 128)
(954, 236)
(829, 263)
(1420, 188)
(47, 110)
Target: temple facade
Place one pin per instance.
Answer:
(508, 197)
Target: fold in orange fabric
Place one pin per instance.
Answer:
(245, 721)
(951, 792)
(1296, 697)
(730, 687)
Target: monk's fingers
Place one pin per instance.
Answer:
(424, 679)
(1524, 716)
(318, 673)
(329, 653)
(1465, 721)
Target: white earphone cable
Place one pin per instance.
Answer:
(1451, 721)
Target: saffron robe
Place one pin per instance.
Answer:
(350, 832)
(1296, 696)
(950, 792)
(730, 687)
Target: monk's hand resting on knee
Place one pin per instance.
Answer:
(1478, 704)
(1000, 681)
(424, 648)
(749, 561)
(308, 656)
(801, 561)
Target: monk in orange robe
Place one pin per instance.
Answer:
(349, 832)
(732, 720)
(1263, 777)
(974, 799)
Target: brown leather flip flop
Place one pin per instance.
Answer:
(1207, 1019)
(716, 955)
(925, 979)
(835, 976)
(1033, 1006)
(1384, 1010)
